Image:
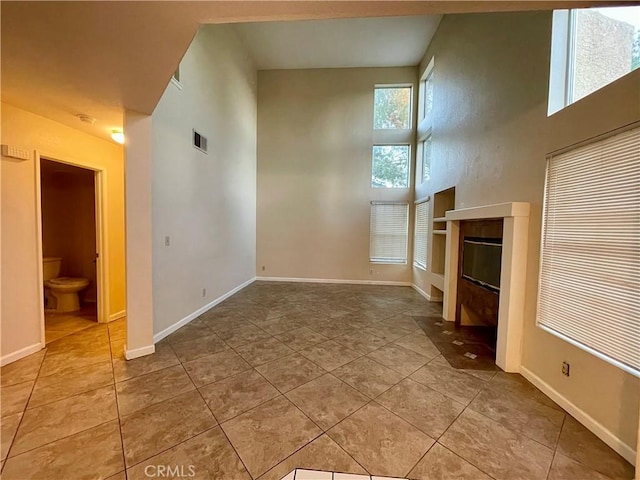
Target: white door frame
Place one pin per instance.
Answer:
(102, 266)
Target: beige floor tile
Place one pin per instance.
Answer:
(380, 441)
(520, 413)
(66, 362)
(329, 355)
(419, 343)
(327, 400)
(563, 468)
(282, 324)
(198, 347)
(243, 334)
(368, 376)
(301, 338)
(514, 383)
(8, 429)
(511, 456)
(289, 372)
(321, 454)
(421, 406)
(118, 476)
(332, 328)
(442, 464)
(263, 439)
(56, 387)
(207, 456)
(51, 422)
(23, 370)
(386, 331)
(263, 351)
(360, 341)
(14, 398)
(140, 392)
(237, 394)
(154, 429)
(578, 443)
(90, 454)
(443, 378)
(190, 331)
(213, 368)
(398, 358)
(163, 357)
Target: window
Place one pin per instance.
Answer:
(390, 166)
(427, 97)
(590, 49)
(590, 268)
(420, 235)
(426, 159)
(392, 108)
(389, 232)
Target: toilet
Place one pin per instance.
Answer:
(61, 293)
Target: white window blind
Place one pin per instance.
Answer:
(389, 232)
(420, 235)
(590, 266)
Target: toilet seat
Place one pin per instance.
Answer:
(68, 282)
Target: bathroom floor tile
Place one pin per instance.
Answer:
(215, 367)
(290, 372)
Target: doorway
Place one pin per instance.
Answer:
(70, 248)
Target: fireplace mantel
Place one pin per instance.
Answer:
(512, 276)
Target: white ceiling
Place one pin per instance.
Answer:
(354, 42)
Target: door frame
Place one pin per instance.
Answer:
(102, 265)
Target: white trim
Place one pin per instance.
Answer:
(497, 210)
(425, 294)
(176, 83)
(606, 435)
(181, 323)
(23, 352)
(118, 315)
(138, 352)
(334, 280)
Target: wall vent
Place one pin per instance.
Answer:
(199, 141)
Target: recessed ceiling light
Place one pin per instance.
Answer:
(117, 136)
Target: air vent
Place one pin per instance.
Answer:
(199, 141)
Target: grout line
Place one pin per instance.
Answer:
(115, 394)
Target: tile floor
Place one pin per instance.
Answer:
(58, 325)
(283, 376)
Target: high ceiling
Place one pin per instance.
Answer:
(60, 59)
(354, 42)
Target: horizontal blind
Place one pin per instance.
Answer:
(590, 265)
(389, 232)
(420, 235)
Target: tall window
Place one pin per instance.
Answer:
(389, 232)
(426, 158)
(590, 264)
(425, 126)
(590, 49)
(420, 235)
(390, 166)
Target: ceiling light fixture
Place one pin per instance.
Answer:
(117, 136)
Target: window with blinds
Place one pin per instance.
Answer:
(420, 235)
(590, 265)
(389, 232)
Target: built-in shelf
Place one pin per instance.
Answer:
(439, 232)
(442, 202)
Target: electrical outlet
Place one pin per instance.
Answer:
(264, 268)
(167, 241)
(371, 271)
(204, 292)
(566, 369)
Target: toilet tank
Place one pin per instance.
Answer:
(51, 267)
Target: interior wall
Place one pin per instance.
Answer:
(315, 135)
(20, 286)
(69, 222)
(491, 135)
(204, 202)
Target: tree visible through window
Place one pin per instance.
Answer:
(390, 166)
(392, 108)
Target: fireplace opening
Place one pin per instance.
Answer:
(481, 259)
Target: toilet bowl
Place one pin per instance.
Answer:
(61, 293)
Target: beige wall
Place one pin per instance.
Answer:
(315, 134)
(205, 203)
(69, 221)
(20, 286)
(490, 140)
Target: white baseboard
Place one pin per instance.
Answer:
(23, 352)
(425, 294)
(333, 280)
(181, 323)
(583, 417)
(117, 316)
(138, 352)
